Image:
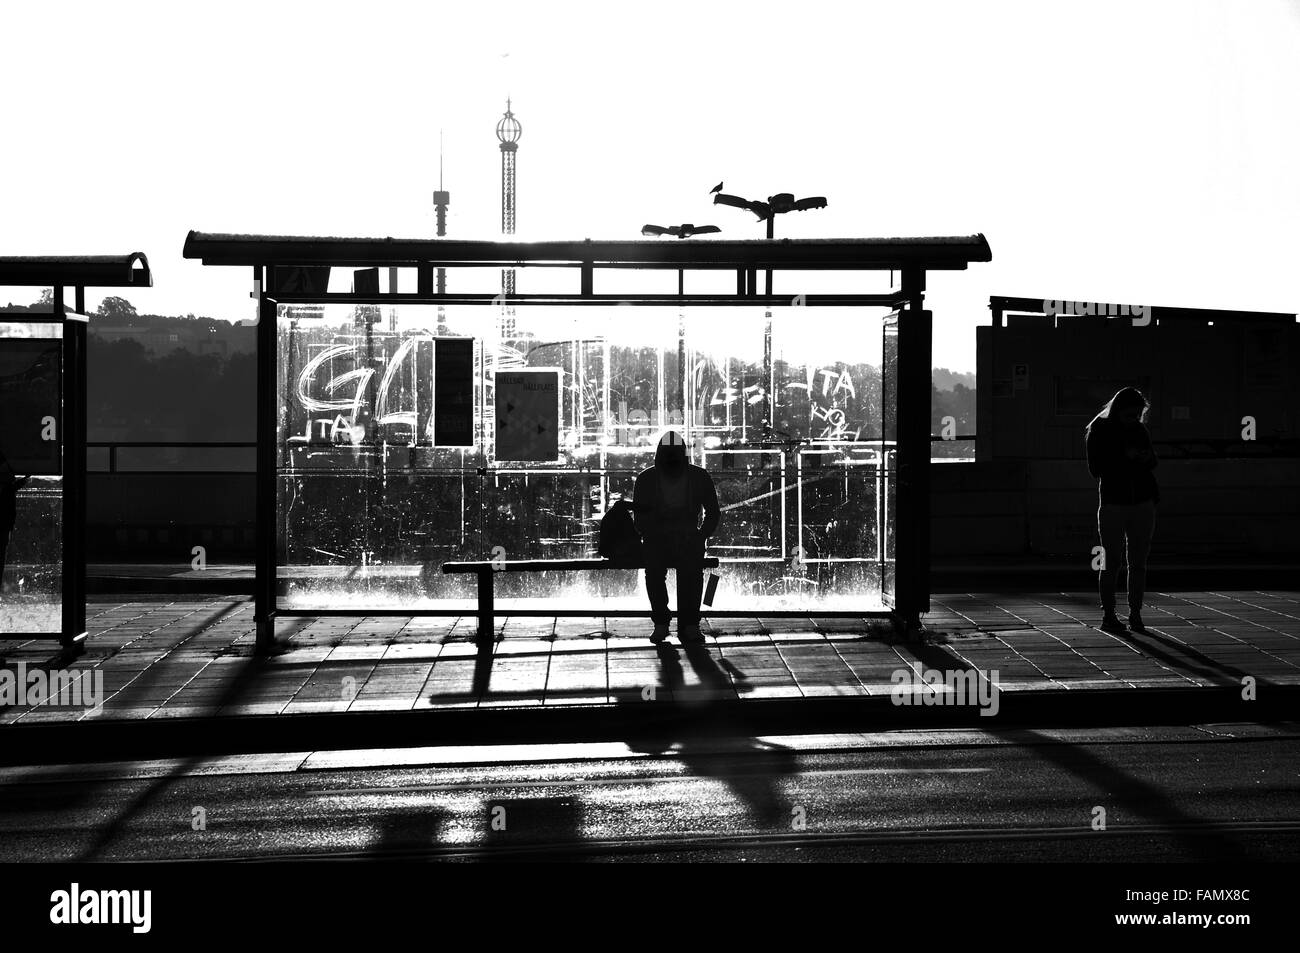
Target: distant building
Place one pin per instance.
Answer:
(1042, 376)
(198, 337)
(1044, 370)
(156, 341)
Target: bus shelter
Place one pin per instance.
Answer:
(43, 438)
(400, 427)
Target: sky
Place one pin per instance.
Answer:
(1141, 151)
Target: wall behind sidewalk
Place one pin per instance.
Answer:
(1049, 507)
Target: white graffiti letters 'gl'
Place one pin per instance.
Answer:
(361, 375)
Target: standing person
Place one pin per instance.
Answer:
(9, 484)
(1121, 458)
(667, 502)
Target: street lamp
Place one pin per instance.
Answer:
(685, 230)
(678, 231)
(769, 210)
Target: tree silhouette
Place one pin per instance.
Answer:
(116, 309)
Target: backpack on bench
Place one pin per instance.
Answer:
(619, 539)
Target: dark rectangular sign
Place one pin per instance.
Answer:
(528, 414)
(453, 392)
(31, 418)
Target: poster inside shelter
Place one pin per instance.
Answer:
(30, 405)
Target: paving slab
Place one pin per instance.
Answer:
(195, 656)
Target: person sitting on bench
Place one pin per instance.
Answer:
(667, 501)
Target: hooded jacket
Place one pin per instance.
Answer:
(650, 511)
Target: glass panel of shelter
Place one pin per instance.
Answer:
(31, 582)
(784, 406)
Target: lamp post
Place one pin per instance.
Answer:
(769, 210)
(679, 231)
(685, 230)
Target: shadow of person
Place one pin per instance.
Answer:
(671, 677)
(714, 683)
(700, 726)
(657, 705)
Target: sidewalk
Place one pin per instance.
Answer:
(193, 658)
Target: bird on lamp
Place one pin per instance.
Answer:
(679, 231)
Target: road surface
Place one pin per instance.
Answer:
(1197, 793)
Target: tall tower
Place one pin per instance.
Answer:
(441, 199)
(508, 132)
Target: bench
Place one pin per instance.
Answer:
(487, 569)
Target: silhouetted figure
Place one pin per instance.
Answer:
(1121, 458)
(9, 484)
(668, 500)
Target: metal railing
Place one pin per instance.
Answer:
(132, 456)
